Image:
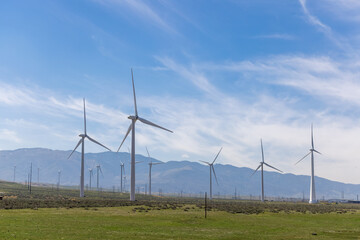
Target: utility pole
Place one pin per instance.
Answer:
(205, 204)
(59, 176)
(14, 172)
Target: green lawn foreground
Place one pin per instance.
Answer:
(124, 223)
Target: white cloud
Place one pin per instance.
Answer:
(9, 136)
(185, 156)
(318, 76)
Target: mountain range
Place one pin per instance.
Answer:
(169, 177)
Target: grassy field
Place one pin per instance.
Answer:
(51, 214)
(125, 223)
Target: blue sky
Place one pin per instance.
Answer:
(217, 73)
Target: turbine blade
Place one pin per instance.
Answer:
(256, 170)
(127, 133)
(132, 78)
(302, 158)
(101, 171)
(152, 124)
(312, 136)
(148, 152)
(77, 145)
(157, 163)
(272, 167)
(317, 151)
(212, 167)
(138, 161)
(262, 151)
(205, 162)
(94, 141)
(84, 116)
(217, 156)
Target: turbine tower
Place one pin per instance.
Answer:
(131, 128)
(98, 171)
(122, 165)
(262, 163)
(312, 179)
(211, 165)
(150, 166)
(91, 175)
(82, 141)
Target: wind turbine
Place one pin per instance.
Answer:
(82, 141)
(91, 175)
(150, 166)
(122, 165)
(98, 170)
(312, 179)
(211, 165)
(262, 163)
(131, 128)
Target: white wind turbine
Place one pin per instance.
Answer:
(131, 128)
(312, 179)
(82, 141)
(122, 165)
(98, 171)
(262, 170)
(91, 174)
(211, 165)
(150, 166)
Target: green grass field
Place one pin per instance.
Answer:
(52, 214)
(124, 223)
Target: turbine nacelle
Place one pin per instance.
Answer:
(82, 135)
(133, 117)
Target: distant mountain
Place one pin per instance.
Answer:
(170, 177)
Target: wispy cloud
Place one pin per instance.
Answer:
(36, 105)
(281, 36)
(348, 10)
(318, 76)
(190, 74)
(141, 10)
(326, 30)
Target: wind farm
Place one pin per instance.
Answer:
(193, 119)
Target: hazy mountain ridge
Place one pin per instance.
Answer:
(172, 176)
